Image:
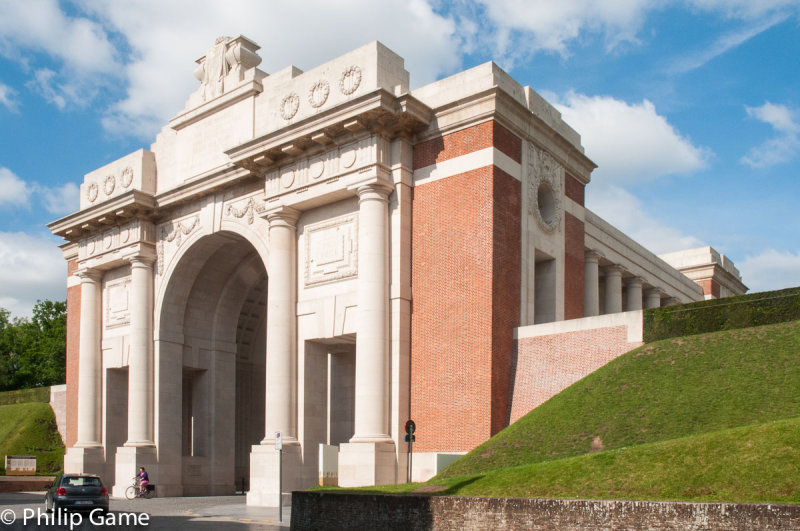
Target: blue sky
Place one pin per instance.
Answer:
(690, 108)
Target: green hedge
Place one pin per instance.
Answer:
(742, 311)
(22, 396)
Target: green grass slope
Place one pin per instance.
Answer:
(665, 390)
(748, 464)
(30, 429)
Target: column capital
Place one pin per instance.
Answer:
(142, 260)
(377, 191)
(632, 281)
(614, 269)
(591, 254)
(282, 216)
(654, 291)
(89, 274)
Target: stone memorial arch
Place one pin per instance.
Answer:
(325, 254)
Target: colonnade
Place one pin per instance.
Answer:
(636, 296)
(140, 370)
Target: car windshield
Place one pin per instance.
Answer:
(81, 482)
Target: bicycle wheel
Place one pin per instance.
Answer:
(130, 492)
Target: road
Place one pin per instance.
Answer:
(224, 513)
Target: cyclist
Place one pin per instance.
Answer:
(143, 480)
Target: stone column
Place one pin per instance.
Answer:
(652, 298)
(613, 302)
(89, 362)
(281, 327)
(280, 412)
(140, 369)
(372, 360)
(633, 300)
(591, 291)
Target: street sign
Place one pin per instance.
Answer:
(278, 441)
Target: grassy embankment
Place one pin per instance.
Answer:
(30, 429)
(707, 417)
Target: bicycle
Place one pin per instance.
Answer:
(135, 491)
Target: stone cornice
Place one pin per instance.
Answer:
(496, 104)
(379, 112)
(132, 204)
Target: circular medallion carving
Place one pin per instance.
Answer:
(287, 179)
(125, 235)
(107, 239)
(289, 106)
(348, 158)
(90, 246)
(318, 93)
(126, 178)
(109, 184)
(350, 80)
(92, 191)
(544, 191)
(316, 168)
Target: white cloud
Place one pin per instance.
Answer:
(770, 270)
(81, 44)
(13, 190)
(747, 9)
(166, 38)
(31, 268)
(778, 116)
(722, 45)
(629, 142)
(625, 212)
(60, 200)
(7, 97)
(526, 26)
(781, 148)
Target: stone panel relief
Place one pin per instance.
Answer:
(227, 56)
(244, 210)
(116, 299)
(170, 237)
(545, 182)
(348, 83)
(331, 250)
(114, 238)
(327, 166)
(109, 184)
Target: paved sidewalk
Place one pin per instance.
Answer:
(215, 513)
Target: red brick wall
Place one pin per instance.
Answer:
(507, 260)
(546, 365)
(574, 189)
(574, 267)
(466, 285)
(709, 287)
(73, 342)
(466, 141)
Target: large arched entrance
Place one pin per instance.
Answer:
(210, 366)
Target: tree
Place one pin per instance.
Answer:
(34, 351)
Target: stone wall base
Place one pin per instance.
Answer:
(321, 511)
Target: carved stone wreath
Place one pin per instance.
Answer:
(318, 93)
(126, 177)
(350, 80)
(92, 191)
(109, 184)
(289, 106)
(544, 190)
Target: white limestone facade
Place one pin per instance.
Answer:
(253, 271)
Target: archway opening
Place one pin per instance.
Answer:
(211, 358)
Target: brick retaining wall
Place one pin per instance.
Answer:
(321, 510)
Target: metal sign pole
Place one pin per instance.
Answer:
(279, 447)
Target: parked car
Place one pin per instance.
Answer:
(77, 492)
